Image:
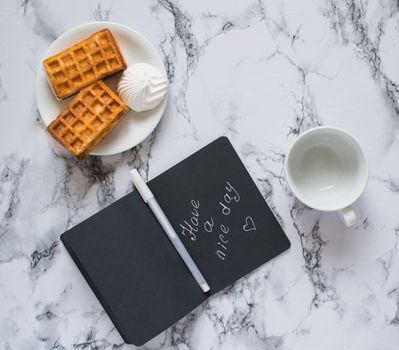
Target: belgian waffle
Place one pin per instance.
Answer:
(78, 66)
(88, 118)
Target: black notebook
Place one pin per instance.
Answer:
(133, 268)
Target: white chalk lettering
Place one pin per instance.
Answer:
(231, 195)
(208, 225)
(229, 187)
(190, 226)
(224, 229)
(222, 244)
(221, 255)
(186, 228)
(222, 239)
(225, 209)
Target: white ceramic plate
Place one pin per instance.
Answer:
(135, 126)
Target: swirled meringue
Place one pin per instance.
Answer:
(142, 87)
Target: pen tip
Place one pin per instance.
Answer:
(205, 288)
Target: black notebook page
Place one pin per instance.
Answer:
(236, 231)
(133, 269)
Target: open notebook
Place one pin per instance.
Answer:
(133, 268)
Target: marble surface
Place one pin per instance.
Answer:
(260, 72)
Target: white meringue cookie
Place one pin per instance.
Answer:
(142, 87)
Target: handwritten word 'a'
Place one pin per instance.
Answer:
(231, 195)
(208, 225)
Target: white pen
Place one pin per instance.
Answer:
(149, 198)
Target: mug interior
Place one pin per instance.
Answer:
(326, 168)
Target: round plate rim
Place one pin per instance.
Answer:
(78, 28)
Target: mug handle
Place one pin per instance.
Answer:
(348, 216)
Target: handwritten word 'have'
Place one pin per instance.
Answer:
(190, 226)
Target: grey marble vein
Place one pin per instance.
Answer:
(395, 294)
(389, 183)
(182, 32)
(260, 73)
(102, 13)
(36, 11)
(3, 94)
(140, 156)
(349, 20)
(12, 170)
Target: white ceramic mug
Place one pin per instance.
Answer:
(327, 169)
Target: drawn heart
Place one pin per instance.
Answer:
(249, 224)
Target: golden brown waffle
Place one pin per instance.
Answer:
(78, 66)
(88, 118)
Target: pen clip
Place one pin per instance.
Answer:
(141, 186)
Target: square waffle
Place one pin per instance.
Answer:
(88, 118)
(78, 66)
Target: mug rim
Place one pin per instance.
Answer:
(289, 177)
